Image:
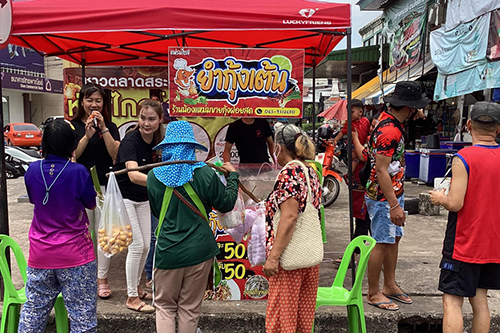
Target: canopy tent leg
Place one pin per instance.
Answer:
(349, 145)
(460, 107)
(314, 100)
(83, 69)
(4, 211)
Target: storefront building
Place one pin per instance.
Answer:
(32, 86)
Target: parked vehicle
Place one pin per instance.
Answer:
(23, 135)
(331, 160)
(17, 161)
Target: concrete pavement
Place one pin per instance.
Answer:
(417, 274)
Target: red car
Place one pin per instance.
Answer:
(23, 134)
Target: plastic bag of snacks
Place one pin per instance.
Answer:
(257, 243)
(115, 231)
(236, 217)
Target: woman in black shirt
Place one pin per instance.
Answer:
(136, 150)
(98, 142)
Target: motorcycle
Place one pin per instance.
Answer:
(331, 161)
(17, 161)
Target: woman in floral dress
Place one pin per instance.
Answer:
(292, 293)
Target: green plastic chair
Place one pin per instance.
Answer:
(13, 299)
(337, 295)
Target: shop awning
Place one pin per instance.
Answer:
(378, 97)
(373, 91)
(364, 60)
(138, 33)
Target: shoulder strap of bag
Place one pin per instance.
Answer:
(192, 194)
(196, 199)
(164, 206)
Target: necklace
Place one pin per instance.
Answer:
(47, 189)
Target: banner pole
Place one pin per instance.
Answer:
(314, 100)
(349, 146)
(4, 209)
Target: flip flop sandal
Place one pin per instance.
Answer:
(143, 307)
(103, 291)
(396, 297)
(146, 296)
(378, 305)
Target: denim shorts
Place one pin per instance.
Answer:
(382, 229)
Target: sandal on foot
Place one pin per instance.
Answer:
(146, 296)
(103, 290)
(378, 305)
(143, 307)
(397, 297)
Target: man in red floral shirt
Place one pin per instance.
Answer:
(385, 194)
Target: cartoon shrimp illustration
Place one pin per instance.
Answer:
(184, 78)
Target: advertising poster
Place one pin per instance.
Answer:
(210, 82)
(485, 75)
(461, 48)
(239, 280)
(404, 26)
(493, 51)
(21, 58)
(128, 88)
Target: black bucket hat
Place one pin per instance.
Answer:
(408, 93)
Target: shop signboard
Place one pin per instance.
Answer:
(211, 82)
(461, 48)
(31, 83)
(128, 88)
(239, 280)
(404, 27)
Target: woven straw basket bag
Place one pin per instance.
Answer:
(305, 249)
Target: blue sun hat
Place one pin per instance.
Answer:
(179, 132)
(179, 144)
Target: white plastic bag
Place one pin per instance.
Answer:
(236, 217)
(240, 231)
(115, 231)
(257, 243)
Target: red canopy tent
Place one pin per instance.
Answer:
(138, 33)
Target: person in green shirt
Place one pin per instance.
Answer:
(181, 196)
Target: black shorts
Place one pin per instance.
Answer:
(463, 279)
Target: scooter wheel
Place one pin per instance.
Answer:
(331, 190)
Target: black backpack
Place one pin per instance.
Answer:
(364, 173)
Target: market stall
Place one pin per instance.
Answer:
(148, 33)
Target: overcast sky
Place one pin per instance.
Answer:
(359, 19)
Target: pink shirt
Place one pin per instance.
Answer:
(59, 235)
